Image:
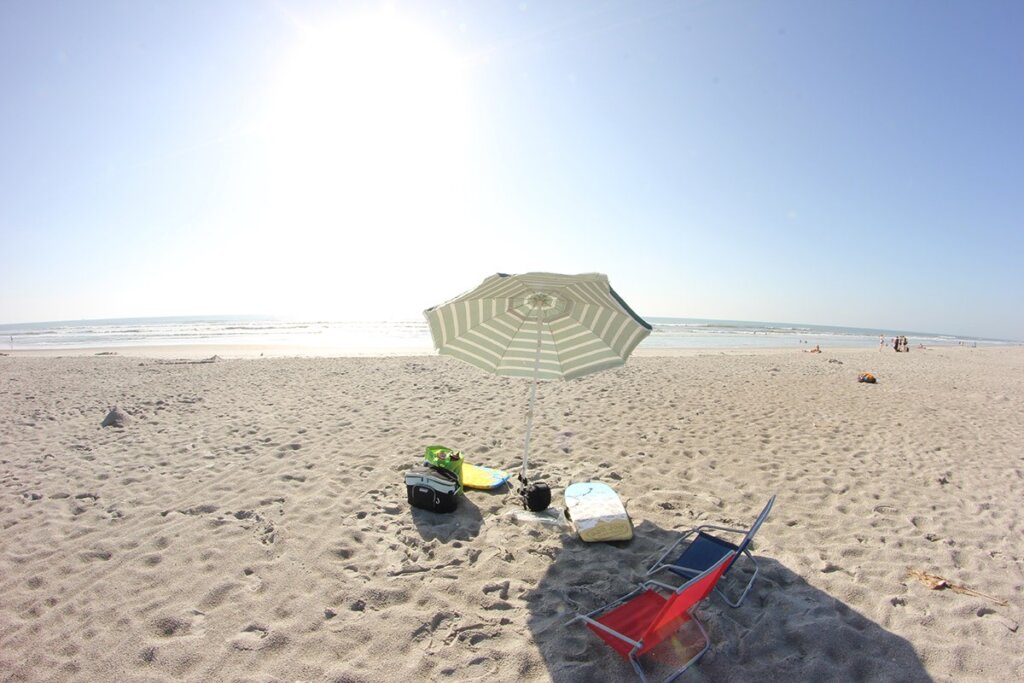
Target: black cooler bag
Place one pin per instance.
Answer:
(432, 488)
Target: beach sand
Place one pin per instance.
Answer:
(249, 522)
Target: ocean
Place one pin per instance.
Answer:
(413, 337)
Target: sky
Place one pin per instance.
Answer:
(841, 163)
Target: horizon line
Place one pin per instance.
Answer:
(285, 318)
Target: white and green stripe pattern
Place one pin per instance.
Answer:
(585, 326)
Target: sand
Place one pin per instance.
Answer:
(249, 522)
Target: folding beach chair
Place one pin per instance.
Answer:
(706, 550)
(636, 623)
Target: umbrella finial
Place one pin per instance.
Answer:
(540, 300)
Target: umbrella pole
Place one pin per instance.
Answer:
(529, 426)
(533, 400)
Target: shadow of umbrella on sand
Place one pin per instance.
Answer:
(786, 630)
(542, 326)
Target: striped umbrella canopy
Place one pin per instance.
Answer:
(539, 325)
(581, 324)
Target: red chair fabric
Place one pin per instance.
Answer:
(631, 619)
(650, 618)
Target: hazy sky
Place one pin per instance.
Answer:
(848, 163)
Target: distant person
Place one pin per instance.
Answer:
(896, 344)
(816, 349)
(881, 342)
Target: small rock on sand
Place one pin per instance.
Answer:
(116, 418)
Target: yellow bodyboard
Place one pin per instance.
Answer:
(478, 477)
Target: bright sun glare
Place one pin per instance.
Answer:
(368, 126)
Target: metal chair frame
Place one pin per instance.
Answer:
(706, 546)
(686, 591)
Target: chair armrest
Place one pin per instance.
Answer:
(666, 567)
(659, 584)
(658, 563)
(702, 527)
(615, 603)
(610, 605)
(606, 629)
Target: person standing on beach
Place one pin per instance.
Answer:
(881, 342)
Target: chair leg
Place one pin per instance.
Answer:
(635, 661)
(750, 584)
(639, 669)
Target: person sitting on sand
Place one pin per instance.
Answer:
(816, 349)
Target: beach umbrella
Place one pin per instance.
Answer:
(538, 325)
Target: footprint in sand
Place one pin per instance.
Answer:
(252, 581)
(255, 522)
(196, 510)
(152, 560)
(341, 552)
(171, 626)
(258, 637)
(500, 587)
(286, 450)
(92, 555)
(436, 622)
(218, 595)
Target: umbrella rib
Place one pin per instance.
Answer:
(512, 337)
(498, 316)
(558, 355)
